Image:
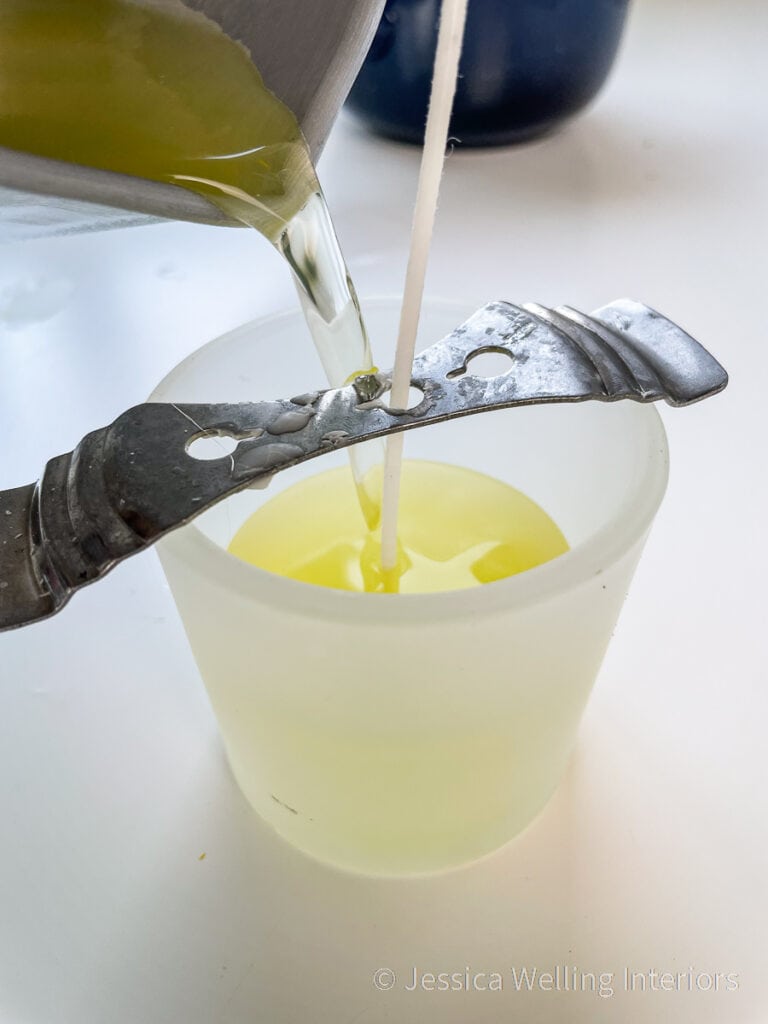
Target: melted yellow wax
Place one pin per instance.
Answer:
(457, 528)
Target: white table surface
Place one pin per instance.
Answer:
(652, 854)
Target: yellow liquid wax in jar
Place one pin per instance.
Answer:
(457, 528)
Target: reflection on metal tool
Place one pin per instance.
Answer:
(126, 485)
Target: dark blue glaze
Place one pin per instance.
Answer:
(527, 65)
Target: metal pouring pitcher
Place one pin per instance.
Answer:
(308, 55)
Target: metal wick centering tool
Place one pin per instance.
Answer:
(128, 484)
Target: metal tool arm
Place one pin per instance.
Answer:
(128, 484)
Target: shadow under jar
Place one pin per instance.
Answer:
(526, 67)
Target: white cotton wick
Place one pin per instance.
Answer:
(449, 40)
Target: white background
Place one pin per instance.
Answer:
(652, 853)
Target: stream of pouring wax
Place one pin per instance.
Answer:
(457, 528)
(163, 93)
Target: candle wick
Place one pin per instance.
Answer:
(449, 41)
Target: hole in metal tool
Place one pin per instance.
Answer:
(416, 396)
(489, 361)
(209, 446)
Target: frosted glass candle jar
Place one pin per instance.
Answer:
(400, 734)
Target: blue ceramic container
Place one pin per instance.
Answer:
(527, 66)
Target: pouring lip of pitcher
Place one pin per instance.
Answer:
(603, 547)
(335, 36)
